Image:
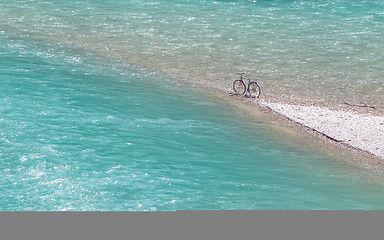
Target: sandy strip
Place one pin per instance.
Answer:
(361, 131)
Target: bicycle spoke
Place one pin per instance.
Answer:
(239, 87)
(254, 89)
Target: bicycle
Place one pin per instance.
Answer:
(240, 87)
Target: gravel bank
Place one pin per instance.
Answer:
(361, 131)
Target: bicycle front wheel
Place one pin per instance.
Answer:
(254, 89)
(239, 87)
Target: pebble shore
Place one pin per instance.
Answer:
(360, 131)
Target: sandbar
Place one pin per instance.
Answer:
(364, 132)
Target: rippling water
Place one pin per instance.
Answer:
(323, 52)
(82, 128)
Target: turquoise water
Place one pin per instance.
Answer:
(87, 124)
(321, 52)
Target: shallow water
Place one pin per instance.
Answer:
(322, 52)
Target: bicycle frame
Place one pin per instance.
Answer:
(240, 87)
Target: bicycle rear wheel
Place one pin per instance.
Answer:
(239, 87)
(254, 89)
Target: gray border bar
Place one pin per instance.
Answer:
(193, 225)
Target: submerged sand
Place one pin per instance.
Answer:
(364, 132)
